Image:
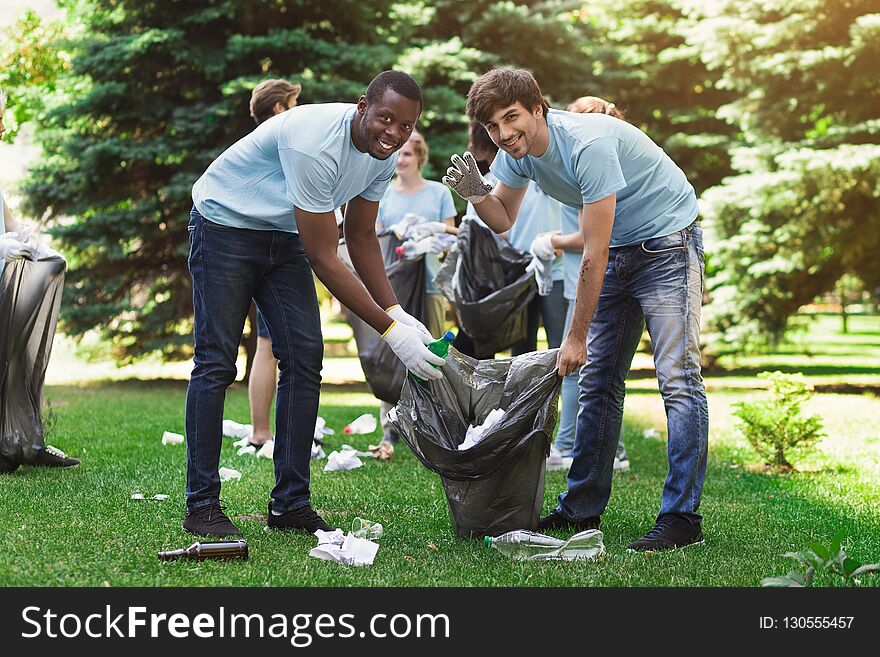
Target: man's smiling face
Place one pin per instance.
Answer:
(514, 128)
(387, 124)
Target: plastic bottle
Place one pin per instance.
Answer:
(439, 347)
(525, 545)
(208, 550)
(366, 423)
(363, 528)
(410, 250)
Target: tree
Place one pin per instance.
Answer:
(158, 88)
(805, 207)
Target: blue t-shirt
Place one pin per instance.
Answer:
(302, 158)
(590, 157)
(571, 260)
(433, 202)
(538, 213)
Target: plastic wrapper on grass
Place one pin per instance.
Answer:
(487, 281)
(497, 485)
(383, 371)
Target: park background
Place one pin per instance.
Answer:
(770, 107)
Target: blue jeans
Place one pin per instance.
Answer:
(658, 282)
(552, 311)
(568, 400)
(229, 267)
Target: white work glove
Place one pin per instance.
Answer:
(11, 248)
(408, 344)
(426, 229)
(464, 177)
(397, 313)
(542, 247)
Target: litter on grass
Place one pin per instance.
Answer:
(651, 433)
(228, 474)
(233, 429)
(338, 461)
(348, 550)
(365, 423)
(159, 497)
(170, 438)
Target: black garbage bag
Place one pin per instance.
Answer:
(382, 369)
(486, 280)
(30, 297)
(498, 484)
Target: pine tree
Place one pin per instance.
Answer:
(159, 89)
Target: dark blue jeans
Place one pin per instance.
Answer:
(229, 267)
(658, 282)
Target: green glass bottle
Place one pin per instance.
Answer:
(439, 347)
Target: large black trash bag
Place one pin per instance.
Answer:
(497, 485)
(30, 296)
(486, 280)
(382, 369)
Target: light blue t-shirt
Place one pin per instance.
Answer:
(571, 260)
(590, 157)
(433, 202)
(302, 158)
(538, 213)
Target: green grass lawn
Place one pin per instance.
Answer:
(80, 527)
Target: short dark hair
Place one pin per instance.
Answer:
(269, 92)
(479, 139)
(500, 88)
(398, 81)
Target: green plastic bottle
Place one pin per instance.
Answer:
(439, 347)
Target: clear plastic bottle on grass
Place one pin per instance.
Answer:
(363, 528)
(524, 545)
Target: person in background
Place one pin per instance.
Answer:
(410, 194)
(268, 99)
(571, 242)
(21, 429)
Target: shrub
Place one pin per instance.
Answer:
(826, 567)
(775, 427)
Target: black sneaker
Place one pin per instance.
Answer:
(303, 519)
(210, 520)
(671, 531)
(52, 457)
(554, 520)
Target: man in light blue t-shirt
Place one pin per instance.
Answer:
(263, 220)
(642, 263)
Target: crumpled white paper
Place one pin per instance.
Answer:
(235, 430)
(651, 433)
(267, 449)
(347, 459)
(246, 449)
(476, 434)
(170, 438)
(349, 550)
(321, 429)
(228, 474)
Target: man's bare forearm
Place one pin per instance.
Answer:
(493, 213)
(343, 285)
(366, 256)
(589, 286)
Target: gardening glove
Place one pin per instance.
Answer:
(12, 248)
(542, 247)
(464, 177)
(408, 345)
(426, 229)
(397, 313)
